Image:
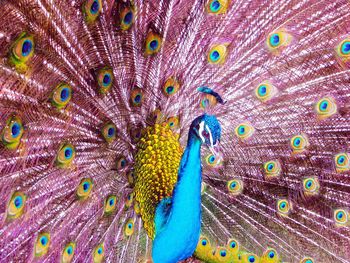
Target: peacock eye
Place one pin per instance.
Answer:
(205, 134)
(92, 9)
(283, 207)
(129, 227)
(217, 7)
(42, 244)
(126, 18)
(278, 39)
(153, 43)
(341, 217)
(326, 107)
(98, 254)
(68, 252)
(217, 54)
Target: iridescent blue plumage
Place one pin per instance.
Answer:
(178, 220)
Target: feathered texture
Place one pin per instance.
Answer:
(281, 67)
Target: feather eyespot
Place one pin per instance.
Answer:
(235, 186)
(171, 86)
(105, 79)
(278, 40)
(249, 257)
(12, 132)
(233, 245)
(299, 143)
(129, 200)
(22, 50)
(208, 101)
(136, 97)
(92, 9)
(110, 204)
(65, 155)
(326, 107)
(121, 163)
(272, 169)
(265, 91)
(307, 260)
(99, 253)
(153, 43)
(311, 186)
(217, 54)
(343, 50)
(15, 207)
(270, 256)
(212, 161)
(109, 131)
(244, 131)
(61, 95)
(217, 7)
(203, 247)
(42, 244)
(341, 217)
(283, 207)
(127, 18)
(173, 122)
(68, 253)
(342, 163)
(129, 227)
(84, 189)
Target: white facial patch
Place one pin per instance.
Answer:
(201, 128)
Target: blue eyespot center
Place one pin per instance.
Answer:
(215, 55)
(341, 160)
(95, 7)
(340, 215)
(99, 251)
(123, 163)
(262, 90)
(18, 201)
(297, 142)
(170, 89)
(128, 18)
(111, 132)
(64, 94)
(233, 244)
(215, 6)
(233, 185)
(27, 47)
(129, 225)
(111, 202)
(345, 48)
(271, 254)
(211, 159)
(223, 253)
(43, 241)
(106, 79)
(308, 261)
(275, 40)
(323, 106)
(283, 205)
(153, 44)
(251, 259)
(270, 166)
(137, 98)
(15, 130)
(68, 153)
(241, 130)
(69, 250)
(86, 186)
(309, 184)
(204, 242)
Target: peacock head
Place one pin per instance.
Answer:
(208, 130)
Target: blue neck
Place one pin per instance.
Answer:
(180, 234)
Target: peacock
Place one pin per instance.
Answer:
(175, 131)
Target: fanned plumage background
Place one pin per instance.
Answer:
(70, 50)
